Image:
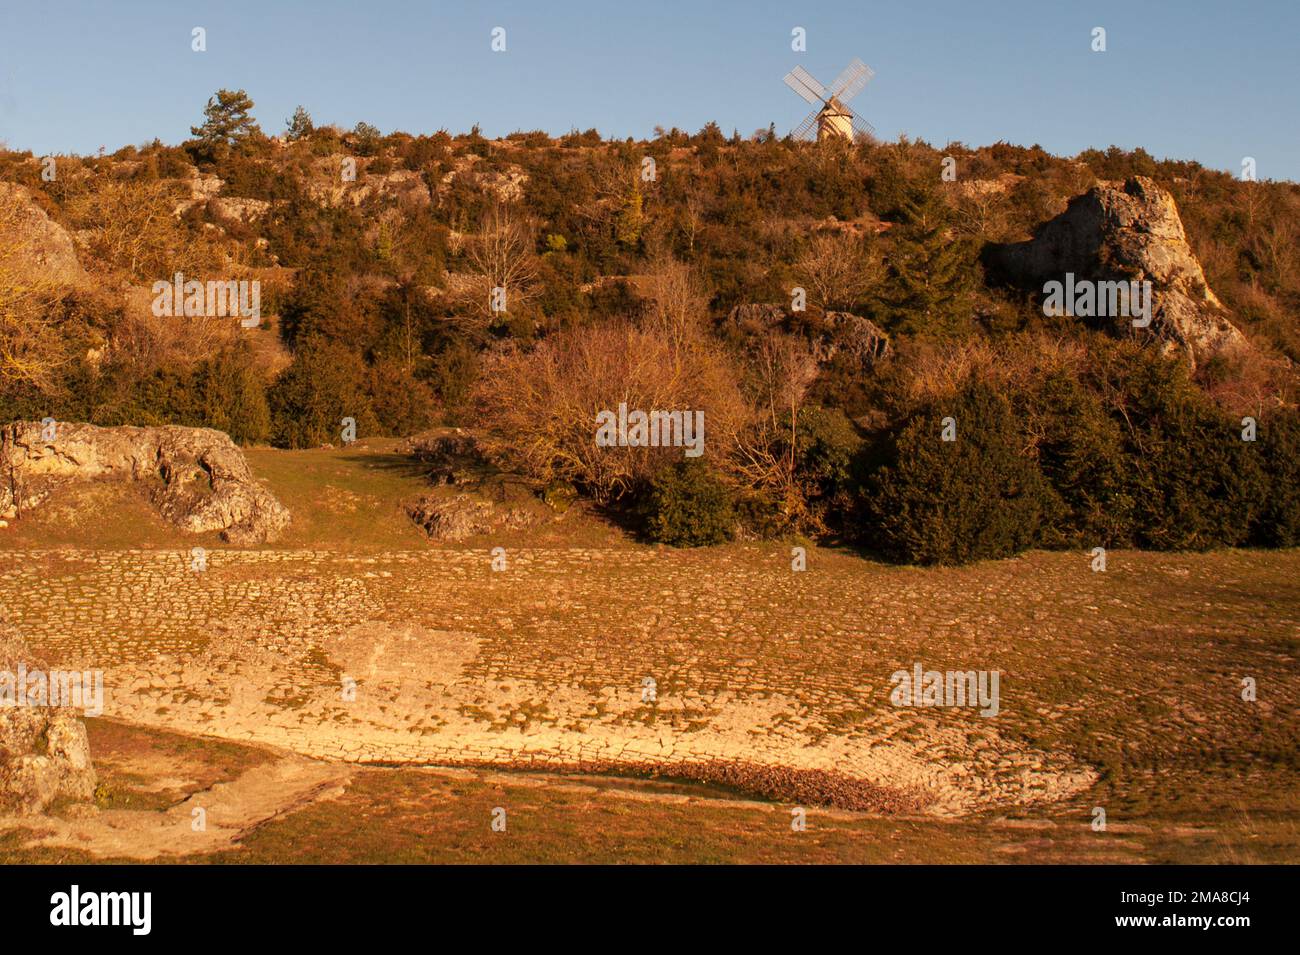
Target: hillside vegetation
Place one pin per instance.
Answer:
(825, 305)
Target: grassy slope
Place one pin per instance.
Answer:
(1233, 796)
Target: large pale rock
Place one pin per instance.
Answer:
(41, 247)
(1129, 231)
(853, 335)
(44, 753)
(204, 482)
(228, 209)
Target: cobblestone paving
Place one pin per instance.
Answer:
(545, 662)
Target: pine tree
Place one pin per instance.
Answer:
(300, 125)
(226, 119)
(931, 271)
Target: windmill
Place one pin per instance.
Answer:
(832, 117)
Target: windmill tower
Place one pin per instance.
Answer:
(832, 118)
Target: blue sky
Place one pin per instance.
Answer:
(1211, 81)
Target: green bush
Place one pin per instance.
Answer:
(1198, 485)
(825, 448)
(401, 404)
(231, 397)
(1081, 454)
(827, 443)
(1194, 482)
(325, 383)
(686, 505)
(1278, 443)
(951, 502)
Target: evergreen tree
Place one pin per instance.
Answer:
(366, 138)
(231, 396)
(300, 125)
(325, 384)
(627, 230)
(930, 270)
(226, 119)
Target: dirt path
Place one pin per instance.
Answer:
(208, 820)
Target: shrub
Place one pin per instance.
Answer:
(454, 375)
(827, 444)
(324, 384)
(232, 397)
(401, 404)
(686, 505)
(1194, 483)
(951, 502)
(539, 406)
(1197, 485)
(1278, 442)
(1081, 454)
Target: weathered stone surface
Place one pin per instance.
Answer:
(1129, 231)
(44, 753)
(228, 209)
(453, 457)
(456, 517)
(756, 317)
(45, 246)
(452, 518)
(853, 335)
(205, 482)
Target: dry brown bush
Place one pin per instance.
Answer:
(129, 226)
(779, 370)
(539, 406)
(31, 346)
(934, 371)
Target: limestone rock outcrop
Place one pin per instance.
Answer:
(43, 246)
(44, 753)
(202, 481)
(1128, 231)
(852, 335)
(228, 209)
(453, 457)
(459, 516)
(830, 333)
(755, 318)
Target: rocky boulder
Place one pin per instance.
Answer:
(42, 246)
(458, 516)
(44, 753)
(853, 335)
(452, 457)
(452, 518)
(228, 210)
(753, 318)
(1128, 231)
(202, 481)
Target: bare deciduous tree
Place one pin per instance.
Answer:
(502, 257)
(838, 270)
(680, 305)
(779, 371)
(131, 227)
